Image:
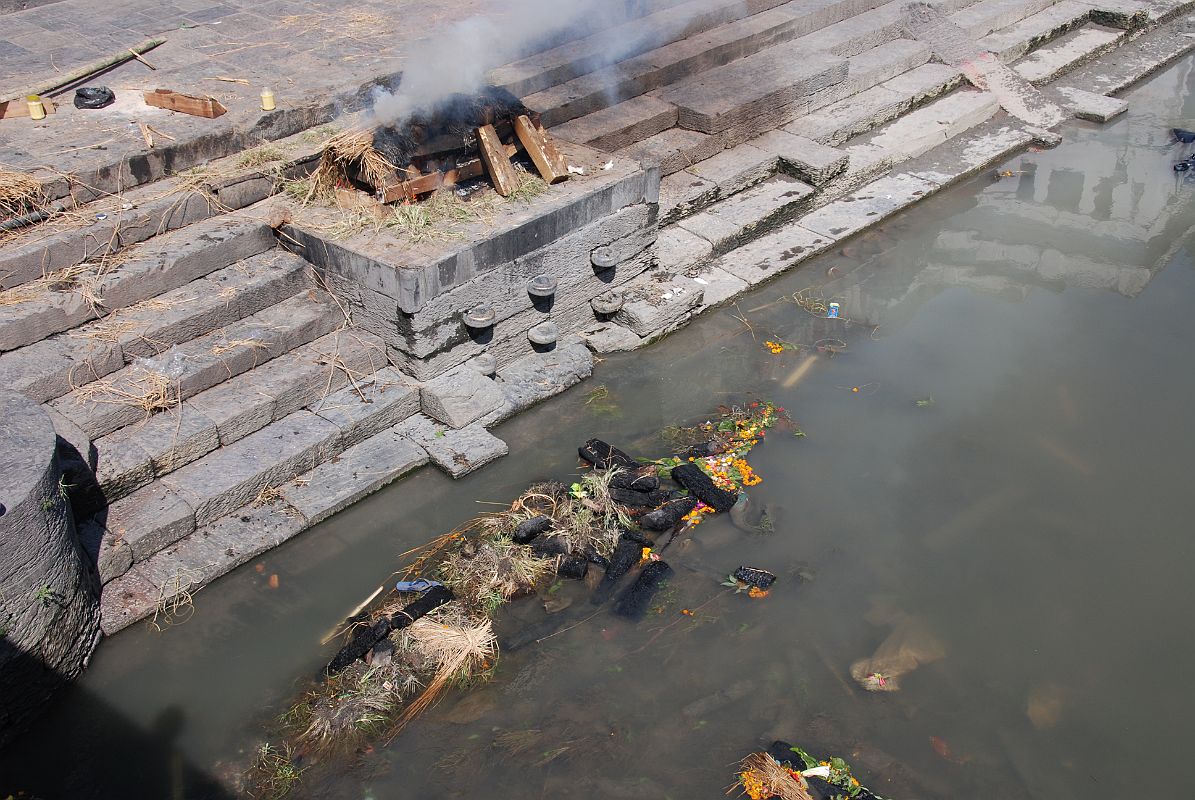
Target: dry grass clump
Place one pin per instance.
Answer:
(145, 389)
(761, 776)
(261, 155)
(20, 194)
(487, 571)
(349, 153)
(274, 773)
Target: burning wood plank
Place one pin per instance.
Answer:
(170, 100)
(543, 152)
(497, 162)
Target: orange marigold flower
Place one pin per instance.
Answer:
(757, 593)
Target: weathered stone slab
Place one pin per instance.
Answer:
(112, 557)
(204, 305)
(1074, 48)
(654, 307)
(865, 208)
(681, 250)
(814, 163)
(175, 437)
(928, 127)
(52, 367)
(369, 405)
(538, 376)
(736, 169)
(681, 194)
(766, 86)
(457, 452)
(749, 213)
(125, 600)
(674, 149)
(121, 467)
(149, 520)
(717, 286)
(1090, 106)
(970, 153)
(620, 125)
(1012, 42)
(774, 253)
(235, 475)
(609, 337)
(358, 471)
(460, 397)
(1136, 60)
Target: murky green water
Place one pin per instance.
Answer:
(1034, 519)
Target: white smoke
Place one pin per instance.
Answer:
(458, 58)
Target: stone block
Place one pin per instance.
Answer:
(620, 125)
(48, 313)
(538, 376)
(674, 149)
(814, 163)
(460, 397)
(125, 600)
(608, 337)
(1089, 105)
(121, 467)
(369, 405)
(655, 307)
(717, 286)
(149, 520)
(457, 452)
(52, 367)
(683, 193)
(358, 471)
(111, 556)
(682, 251)
(870, 205)
(236, 475)
(1016, 40)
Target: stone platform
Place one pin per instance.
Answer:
(226, 367)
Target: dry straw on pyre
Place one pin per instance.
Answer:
(19, 194)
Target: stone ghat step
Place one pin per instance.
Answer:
(257, 468)
(132, 394)
(1016, 41)
(1067, 52)
(53, 366)
(162, 540)
(665, 26)
(31, 312)
(599, 89)
(113, 223)
(135, 455)
(777, 98)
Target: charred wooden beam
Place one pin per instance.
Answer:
(497, 162)
(543, 152)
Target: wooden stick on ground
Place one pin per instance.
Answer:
(137, 56)
(547, 158)
(497, 163)
(88, 70)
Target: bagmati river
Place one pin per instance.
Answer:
(1031, 518)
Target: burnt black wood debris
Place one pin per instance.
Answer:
(365, 637)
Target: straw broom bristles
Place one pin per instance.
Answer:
(762, 776)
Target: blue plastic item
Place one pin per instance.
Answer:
(420, 585)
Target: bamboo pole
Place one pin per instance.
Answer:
(88, 70)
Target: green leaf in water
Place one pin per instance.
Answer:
(925, 402)
(555, 587)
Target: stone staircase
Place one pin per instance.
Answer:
(216, 394)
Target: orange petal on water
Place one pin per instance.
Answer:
(274, 581)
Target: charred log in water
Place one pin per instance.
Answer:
(635, 483)
(603, 456)
(549, 546)
(702, 487)
(634, 602)
(450, 128)
(667, 516)
(627, 497)
(364, 638)
(573, 568)
(626, 555)
(527, 530)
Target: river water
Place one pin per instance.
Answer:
(1029, 520)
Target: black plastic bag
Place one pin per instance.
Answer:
(94, 97)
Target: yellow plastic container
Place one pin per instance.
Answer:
(36, 109)
(267, 100)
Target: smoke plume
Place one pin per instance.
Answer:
(458, 58)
